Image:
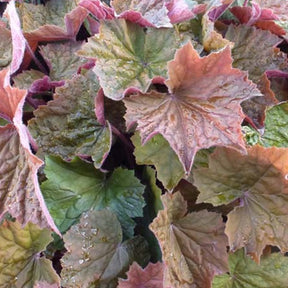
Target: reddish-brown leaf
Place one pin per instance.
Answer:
(202, 108)
(149, 277)
(258, 181)
(193, 245)
(20, 194)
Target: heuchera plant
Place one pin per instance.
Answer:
(144, 144)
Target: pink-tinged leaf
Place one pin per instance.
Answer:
(221, 6)
(43, 284)
(279, 7)
(20, 192)
(21, 263)
(255, 108)
(98, 9)
(193, 245)
(145, 13)
(202, 108)
(261, 18)
(182, 10)
(18, 40)
(12, 99)
(258, 181)
(149, 277)
(57, 20)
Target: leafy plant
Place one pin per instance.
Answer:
(143, 144)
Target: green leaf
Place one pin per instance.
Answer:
(95, 256)
(52, 13)
(158, 152)
(75, 187)
(67, 125)
(252, 136)
(5, 47)
(149, 176)
(20, 262)
(127, 56)
(276, 133)
(245, 273)
(63, 61)
(25, 79)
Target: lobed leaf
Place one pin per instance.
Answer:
(20, 260)
(95, 254)
(149, 277)
(245, 273)
(67, 126)
(128, 57)
(67, 196)
(254, 51)
(202, 108)
(258, 182)
(193, 245)
(56, 20)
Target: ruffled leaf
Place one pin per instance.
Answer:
(20, 260)
(67, 126)
(258, 181)
(279, 8)
(68, 197)
(193, 245)
(95, 252)
(128, 57)
(202, 108)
